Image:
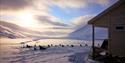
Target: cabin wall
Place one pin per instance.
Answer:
(102, 22)
(117, 31)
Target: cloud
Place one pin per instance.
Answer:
(103, 3)
(39, 9)
(45, 4)
(100, 2)
(14, 4)
(69, 3)
(50, 21)
(82, 20)
(66, 28)
(79, 3)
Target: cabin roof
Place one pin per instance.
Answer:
(108, 10)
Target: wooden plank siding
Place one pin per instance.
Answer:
(113, 18)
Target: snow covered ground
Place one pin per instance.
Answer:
(11, 52)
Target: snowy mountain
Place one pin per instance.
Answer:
(86, 33)
(11, 30)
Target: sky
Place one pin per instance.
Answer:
(61, 16)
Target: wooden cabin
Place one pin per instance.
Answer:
(112, 18)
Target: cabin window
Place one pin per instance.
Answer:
(120, 28)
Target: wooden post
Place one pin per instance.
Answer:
(93, 42)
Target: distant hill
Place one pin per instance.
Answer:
(86, 33)
(11, 30)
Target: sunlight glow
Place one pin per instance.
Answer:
(27, 20)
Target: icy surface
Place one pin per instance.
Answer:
(11, 52)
